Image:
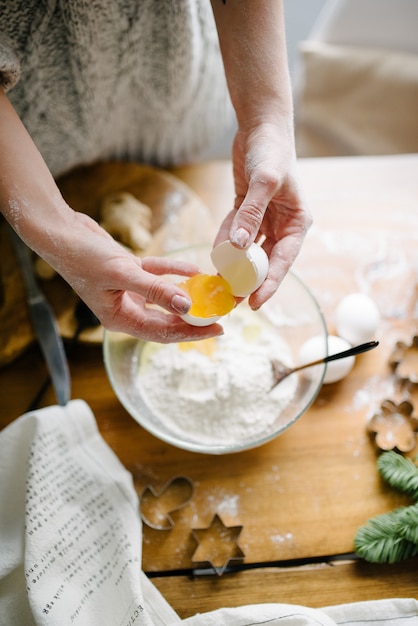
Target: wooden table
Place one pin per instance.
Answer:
(301, 498)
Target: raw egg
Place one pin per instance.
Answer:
(314, 349)
(245, 270)
(240, 273)
(357, 318)
(211, 298)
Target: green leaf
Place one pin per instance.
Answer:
(380, 539)
(408, 523)
(399, 472)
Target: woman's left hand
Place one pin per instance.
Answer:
(268, 202)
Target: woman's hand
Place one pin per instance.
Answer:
(125, 292)
(117, 286)
(268, 202)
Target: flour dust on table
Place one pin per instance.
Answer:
(219, 390)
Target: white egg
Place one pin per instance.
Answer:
(357, 318)
(314, 349)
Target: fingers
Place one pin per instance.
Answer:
(273, 208)
(125, 275)
(282, 256)
(152, 325)
(157, 291)
(242, 226)
(225, 228)
(167, 265)
(248, 218)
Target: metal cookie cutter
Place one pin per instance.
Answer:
(404, 362)
(394, 426)
(217, 545)
(156, 507)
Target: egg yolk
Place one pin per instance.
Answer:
(210, 295)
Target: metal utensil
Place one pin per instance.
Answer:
(44, 323)
(280, 371)
(85, 319)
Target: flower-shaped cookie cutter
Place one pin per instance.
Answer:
(217, 545)
(404, 361)
(394, 426)
(157, 507)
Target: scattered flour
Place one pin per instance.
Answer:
(281, 538)
(218, 390)
(229, 506)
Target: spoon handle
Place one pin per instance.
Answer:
(364, 347)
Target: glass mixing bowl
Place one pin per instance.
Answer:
(292, 313)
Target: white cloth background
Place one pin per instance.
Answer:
(356, 86)
(70, 539)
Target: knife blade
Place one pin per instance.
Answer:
(44, 323)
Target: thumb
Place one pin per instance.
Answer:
(249, 216)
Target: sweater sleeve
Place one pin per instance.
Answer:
(9, 64)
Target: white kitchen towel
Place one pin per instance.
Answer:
(401, 612)
(70, 532)
(70, 540)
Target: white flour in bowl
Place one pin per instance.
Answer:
(218, 390)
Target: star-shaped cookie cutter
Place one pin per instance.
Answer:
(217, 545)
(157, 507)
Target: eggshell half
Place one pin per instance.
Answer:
(200, 321)
(245, 270)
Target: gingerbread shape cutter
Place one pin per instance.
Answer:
(404, 362)
(394, 426)
(157, 507)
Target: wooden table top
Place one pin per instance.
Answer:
(300, 498)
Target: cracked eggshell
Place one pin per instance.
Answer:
(245, 270)
(200, 321)
(357, 318)
(313, 349)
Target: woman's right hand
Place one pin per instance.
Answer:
(118, 287)
(126, 293)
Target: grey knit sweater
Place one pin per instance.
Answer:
(100, 79)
